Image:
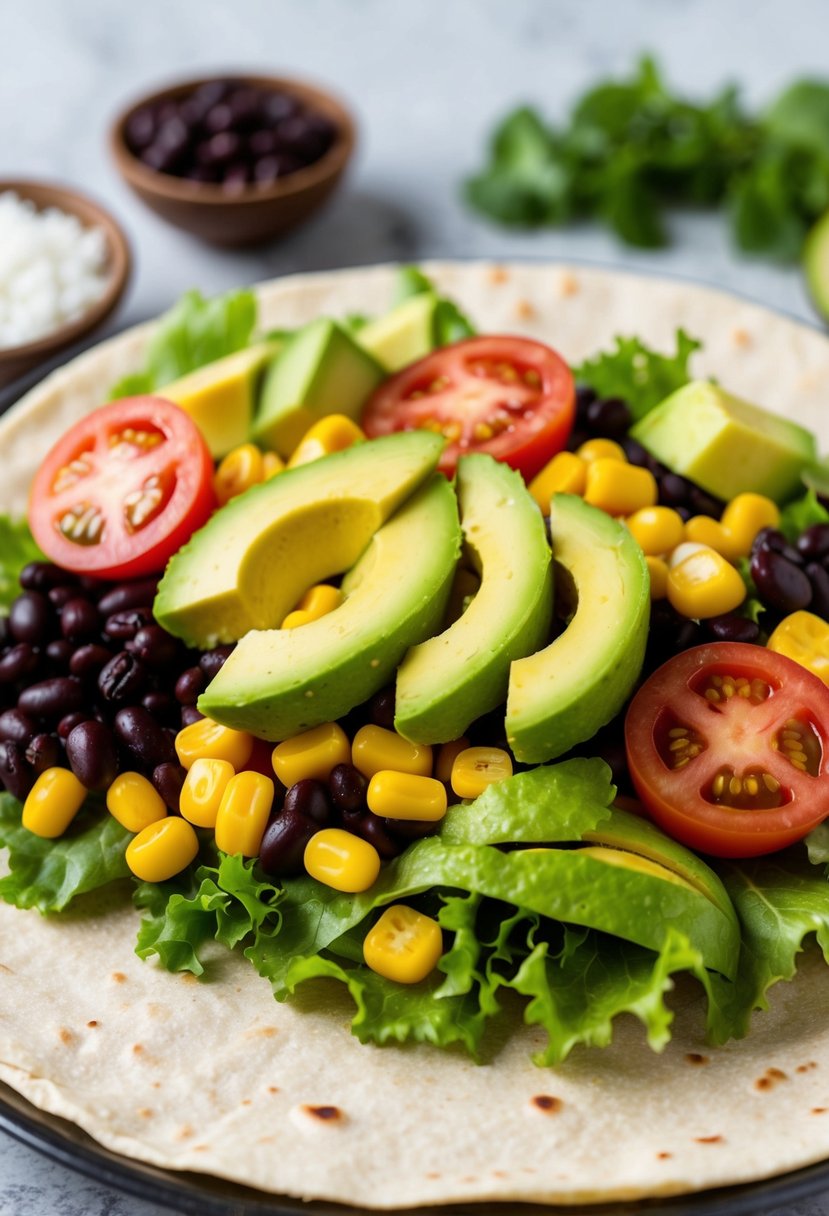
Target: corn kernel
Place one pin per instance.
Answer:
(135, 802)
(53, 802)
(342, 861)
(312, 754)
(404, 945)
(619, 489)
(320, 600)
(375, 749)
(745, 516)
(243, 813)
(203, 790)
(207, 740)
(271, 465)
(602, 449)
(657, 529)
(446, 758)
(566, 473)
(658, 570)
(701, 583)
(405, 796)
(296, 618)
(703, 530)
(162, 849)
(331, 434)
(240, 469)
(804, 637)
(479, 767)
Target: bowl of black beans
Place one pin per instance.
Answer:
(235, 160)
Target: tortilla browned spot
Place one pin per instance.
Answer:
(328, 1114)
(497, 275)
(663, 1156)
(524, 309)
(118, 977)
(92, 1024)
(66, 1036)
(710, 1139)
(694, 1057)
(548, 1103)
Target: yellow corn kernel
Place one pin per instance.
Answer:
(203, 790)
(312, 754)
(703, 530)
(405, 796)
(320, 600)
(701, 583)
(375, 749)
(207, 740)
(135, 802)
(745, 516)
(804, 637)
(53, 802)
(446, 758)
(657, 529)
(566, 473)
(342, 861)
(271, 465)
(619, 489)
(243, 813)
(602, 449)
(162, 849)
(296, 618)
(331, 434)
(479, 767)
(240, 469)
(404, 945)
(658, 570)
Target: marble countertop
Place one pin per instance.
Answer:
(427, 80)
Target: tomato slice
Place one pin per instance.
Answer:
(728, 748)
(513, 398)
(123, 489)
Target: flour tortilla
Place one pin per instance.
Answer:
(216, 1077)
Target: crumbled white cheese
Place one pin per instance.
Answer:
(52, 269)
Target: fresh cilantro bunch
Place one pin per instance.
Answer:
(632, 148)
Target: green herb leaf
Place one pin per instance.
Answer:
(817, 845)
(49, 874)
(639, 375)
(17, 549)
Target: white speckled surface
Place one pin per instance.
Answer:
(427, 78)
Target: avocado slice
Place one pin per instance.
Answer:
(221, 396)
(816, 264)
(254, 559)
(726, 445)
(280, 682)
(450, 680)
(562, 695)
(322, 370)
(405, 334)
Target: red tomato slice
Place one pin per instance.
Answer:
(511, 397)
(728, 748)
(123, 489)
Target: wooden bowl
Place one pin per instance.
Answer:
(16, 360)
(255, 214)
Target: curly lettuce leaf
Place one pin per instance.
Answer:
(195, 331)
(17, 549)
(639, 375)
(801, 514)
(49, 874)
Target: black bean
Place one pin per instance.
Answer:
(4, 632)
(381, 708)
(309, 798)
(68, 723)
(704, 503)
(634, 451)
(140, 734)
(41, 576)
(168, 778)
(15, 774)
(58, 596)
(609, 417)
(218, 118)
(410, 829)
(347, 786)
(162, 707)
(139, 594)
(674, 491)
(30, 618)
(585, 396)
(52, 699)
(93, 587)
(278, 106)
(372, 828)
(154, 646)
(140, 129)
(733, 628)
(45, 751)
(775, 542)
(88, 661)
(577, 437)
(123, 626)
(122, 679)
(59, 655)
(813, 544)
(283, 844)
(16, 726)
(780, 583)
(262, 142)
(79, 620)
(189, 715)
(92, 755)
(819, 578)
(190, 685)
(212, 661)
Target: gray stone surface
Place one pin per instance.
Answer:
(427, 79)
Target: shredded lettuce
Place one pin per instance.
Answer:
(17, 549)
(639, 375)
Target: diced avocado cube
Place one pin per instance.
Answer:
(404, 335)
(726, 445)
(322, 370)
